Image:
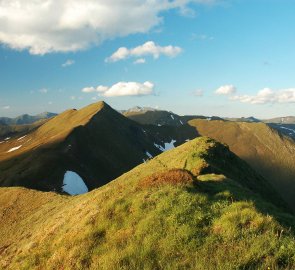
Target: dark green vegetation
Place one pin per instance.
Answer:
(26, 119)
(96, 142)
(195, 207)
(265, 149)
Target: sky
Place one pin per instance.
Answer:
(229, 58)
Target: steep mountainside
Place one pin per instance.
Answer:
(26, 119)
(195, 207)
(285, 129)
(267, 151)
(95, 143)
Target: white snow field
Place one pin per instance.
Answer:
(73, 184)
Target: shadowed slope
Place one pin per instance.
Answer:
(200, 221)
(269, 153)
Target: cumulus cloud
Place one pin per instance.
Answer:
(68, 63)
(123, 89)
(226, 90)
(148, 48)
(268, 95)
(6, 107)
(45, 26)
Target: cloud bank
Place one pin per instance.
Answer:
(45, 26)
(267, 95)
(146, 49)
(263, 96)
(122, 89)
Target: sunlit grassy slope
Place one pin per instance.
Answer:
(195, 207)
(266, 150)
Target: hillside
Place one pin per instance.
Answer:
(94, 144)
(267, 151)
(194, 207)
(26, 119)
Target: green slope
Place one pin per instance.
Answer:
(266, 150)
(188, 208)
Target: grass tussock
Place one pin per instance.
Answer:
(170, 177)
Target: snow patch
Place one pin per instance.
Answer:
(6, 139)
(181, 122)
(159, 147)
(148, 154)
(2, 142)
(167, 146)
(14, 149)
(288, 129)
(187, 140)
(73, 184)
(170, 145)
(22, 137)
(172, 116)
(159, 125)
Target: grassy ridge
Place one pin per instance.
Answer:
(174, 212)
(269, 153)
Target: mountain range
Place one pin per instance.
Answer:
(26, 119)
(97, 143)
(155, 191)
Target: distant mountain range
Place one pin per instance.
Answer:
(26, 119)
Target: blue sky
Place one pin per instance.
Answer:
(226, 58)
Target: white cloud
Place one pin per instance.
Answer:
(6, 107)
(226, 90)
(43, 91)
(268, 95)
(68, 63)
(45, 26)
(123, 89)
(148, 48)
(139, 61)
(89, 89)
